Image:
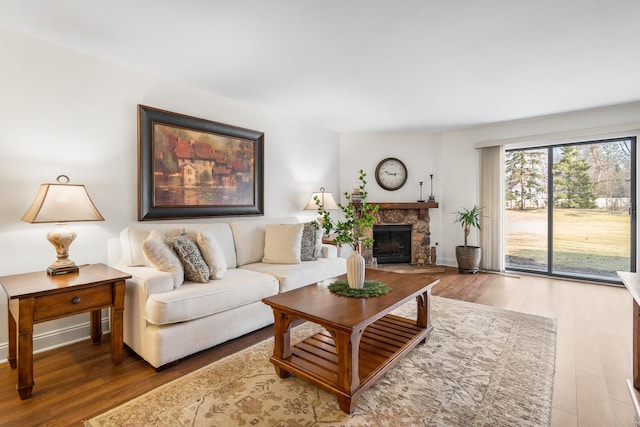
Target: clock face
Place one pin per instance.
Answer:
(391, 174)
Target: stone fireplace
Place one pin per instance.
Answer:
(413, 216)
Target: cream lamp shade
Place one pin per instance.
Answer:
(327, 202)
(62, 203)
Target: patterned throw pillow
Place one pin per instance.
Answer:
(195, 269)
(308, 244)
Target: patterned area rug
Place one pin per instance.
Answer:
(482, 366)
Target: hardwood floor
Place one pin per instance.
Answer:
(593, 360)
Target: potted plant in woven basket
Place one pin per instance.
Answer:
(358, 219)
(468, 257)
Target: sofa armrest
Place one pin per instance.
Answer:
(153, 281)
(329, 251)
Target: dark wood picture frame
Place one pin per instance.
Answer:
(191, 167)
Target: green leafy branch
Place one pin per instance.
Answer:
(358, 218)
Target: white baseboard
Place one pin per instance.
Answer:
(58, 338)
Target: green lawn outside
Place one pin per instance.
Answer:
(586, 241)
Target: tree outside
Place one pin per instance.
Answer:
(526, 172)
(572, 185)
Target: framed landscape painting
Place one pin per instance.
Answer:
(190, 167)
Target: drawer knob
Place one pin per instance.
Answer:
(76, 300)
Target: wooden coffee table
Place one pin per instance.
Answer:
(361, 340)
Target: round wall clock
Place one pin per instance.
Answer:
(391, 174)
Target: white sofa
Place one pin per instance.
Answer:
(164, 322)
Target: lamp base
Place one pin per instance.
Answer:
(61, 238)
(62, 270)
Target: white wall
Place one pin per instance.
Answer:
(66, 113)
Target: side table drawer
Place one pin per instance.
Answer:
(75, 301)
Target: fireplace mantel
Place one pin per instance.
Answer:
(406, 205)
(403, 205)
(420, 206)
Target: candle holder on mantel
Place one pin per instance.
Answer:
(431, 198)
(421, 199)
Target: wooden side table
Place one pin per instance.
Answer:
(39, 297)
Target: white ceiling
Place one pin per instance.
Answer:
(365, 65)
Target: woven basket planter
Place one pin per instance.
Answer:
(468, 258)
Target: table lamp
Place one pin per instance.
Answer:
(327, 202)
(62, 203)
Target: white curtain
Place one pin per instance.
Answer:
(492, 203)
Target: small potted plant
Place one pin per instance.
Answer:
(468, 257)
(358, 219)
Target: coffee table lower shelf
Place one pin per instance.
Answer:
(316, 360)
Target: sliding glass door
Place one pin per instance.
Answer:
(570, 209)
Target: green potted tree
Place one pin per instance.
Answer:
(468, 257)
(358, 218)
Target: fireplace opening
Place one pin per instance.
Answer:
(392, 243)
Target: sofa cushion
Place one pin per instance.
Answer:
(195, 269)
(162, 257)
(292, 276)
(212, 254)
(195, 300)
(248, 237)
(282, 243)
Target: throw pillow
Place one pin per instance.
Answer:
(282, 243)
(308, 243)
(212, 254)
(195, 269)
(162, 258)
